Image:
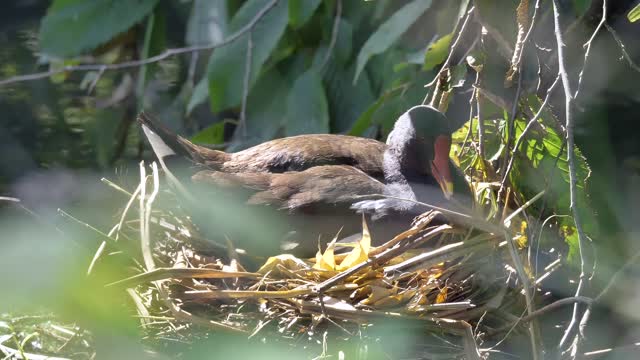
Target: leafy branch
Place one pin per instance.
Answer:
(136, 63)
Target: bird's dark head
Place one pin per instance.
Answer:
(419, 145)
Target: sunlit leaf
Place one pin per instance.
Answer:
(287, 261)
(634, 14)
(360, 253)
(326, 260)
(377, 294)
(226, 68)
(74, 26)
(387, 34)
(437, 52)
(442, 295)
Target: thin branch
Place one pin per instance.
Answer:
(534, 17)
(476, 92)
(334, 34)
(518, 49)
(573, 189)
(517, 71)
(533, 120)
(452, 49)
(614, 279)
(245, 85)
(512, 116)
(587, 45)
(129, 64)
(625, 54)
(543, 310)
(528, 296)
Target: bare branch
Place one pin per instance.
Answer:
(452, 49)
(587, 45)
(516, 70)
(625, 54)
(573, 189)
(129, 64)
(614, 279)
(476, 94)
(543, 310)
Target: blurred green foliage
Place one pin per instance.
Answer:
(302, 77)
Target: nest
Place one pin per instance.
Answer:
(459, 288)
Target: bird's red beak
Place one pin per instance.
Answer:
(440, 165)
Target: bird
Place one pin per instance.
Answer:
(320, 184)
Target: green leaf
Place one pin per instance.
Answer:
(71, 27)
(634, 14)
(307, 109)
(458, 75)
(199, 95)
(154, 41)
(541, 164)
(213, 134)
(265, 117)
(437, 52)
(101, 133)
(227, 64)
(344, 42)
(390, 31)
(300, 11)
(346, 100)
(207, 23)
(365, 120)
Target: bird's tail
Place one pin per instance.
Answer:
(165, 143)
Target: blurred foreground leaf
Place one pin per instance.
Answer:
(634, 14)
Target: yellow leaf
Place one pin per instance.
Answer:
(360, 252)
(442, 295)
(326, 260)
(521, 239)
(377, 294)
(286, 260)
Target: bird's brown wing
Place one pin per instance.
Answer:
(315, 190)
(298, 153)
